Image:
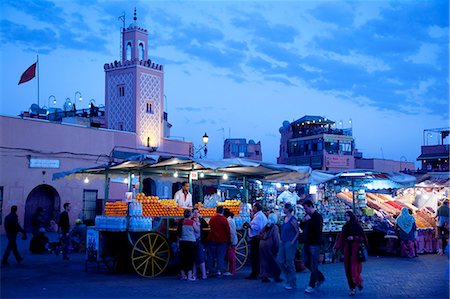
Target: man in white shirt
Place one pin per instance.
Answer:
(288, 196)
(183, 197)
(256, 225)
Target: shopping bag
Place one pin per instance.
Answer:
(362, 253)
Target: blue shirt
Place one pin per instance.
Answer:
(288, 231)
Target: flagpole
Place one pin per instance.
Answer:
(38, 67)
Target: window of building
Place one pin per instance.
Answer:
(257, 153)
(149, 107)
(121, 90)
(128, 51)
(332, 147)
(141, 51)
(121, 126)
(345, 147)
(89, 204)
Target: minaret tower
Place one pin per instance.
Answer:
(134, 90)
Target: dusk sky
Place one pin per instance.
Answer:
(239, 69)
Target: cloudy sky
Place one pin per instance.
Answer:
(239, 69)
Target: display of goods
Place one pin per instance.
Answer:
(233, 205)
(141, 197)
(394, 204)
(111, 223)
(135, 209)
(116, 208)
(162, 208)
(240, 220)
(426, 217)
(140, 223)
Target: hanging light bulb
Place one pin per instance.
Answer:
(132, 176)
(86, 180)
(125, 181)
(225, 176)
(202, 175)
(175, 175)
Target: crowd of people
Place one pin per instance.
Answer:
(273, 246)
(208, 249)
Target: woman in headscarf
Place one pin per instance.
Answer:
(350, 239)
(268, 250)
(406, 227)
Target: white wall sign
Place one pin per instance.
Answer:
(44, 163)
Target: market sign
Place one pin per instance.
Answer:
(44, 163)
(194, 175)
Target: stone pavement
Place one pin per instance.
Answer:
(48, 276)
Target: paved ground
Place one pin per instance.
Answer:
(48, 276)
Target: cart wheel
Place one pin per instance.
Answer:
(150, 255)
(241, 251)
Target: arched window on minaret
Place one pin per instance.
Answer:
(129, 51)
(141, 51)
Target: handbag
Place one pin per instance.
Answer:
(362, 254)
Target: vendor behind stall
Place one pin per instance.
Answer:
(183, 197)
(289, 196)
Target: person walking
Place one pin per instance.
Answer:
(268, 250)
(218, 239)
(442, 223)
(288, 246)
(199, 256)
(64, 229)
(312, 225)
(406, 227)
(231, 248)
(349, 240)
(187, 228)
(12, 228)
(256, 225)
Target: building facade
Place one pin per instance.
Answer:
(316, 142)
(435, 150)
(239, 148)
(34, 147)
(384, 165)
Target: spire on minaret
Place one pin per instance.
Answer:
(135, 18)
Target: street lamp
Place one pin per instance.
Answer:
(48, 101)
(67, 104)
(204, 147)
(75, 97)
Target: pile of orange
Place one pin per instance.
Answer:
(141, 197)
(117, 208)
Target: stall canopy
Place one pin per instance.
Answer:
(149, 165)
(434, 180)
(376, 180)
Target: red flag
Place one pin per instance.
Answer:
(29, 74)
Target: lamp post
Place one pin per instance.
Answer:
(67, 104)
(48, 101)
(402, 159)
(75, 97)
(203, 148)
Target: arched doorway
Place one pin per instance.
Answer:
(149, 187)
(44, 196)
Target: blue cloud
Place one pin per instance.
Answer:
(41, 10)
(40, 39)
(260, 28)
(338, 13)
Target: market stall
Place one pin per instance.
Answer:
(148, 222)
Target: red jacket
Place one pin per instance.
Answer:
(220, 229)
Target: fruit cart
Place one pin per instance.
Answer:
(149, 225)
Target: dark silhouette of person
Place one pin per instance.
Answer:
(37, 221)
(12, 228)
